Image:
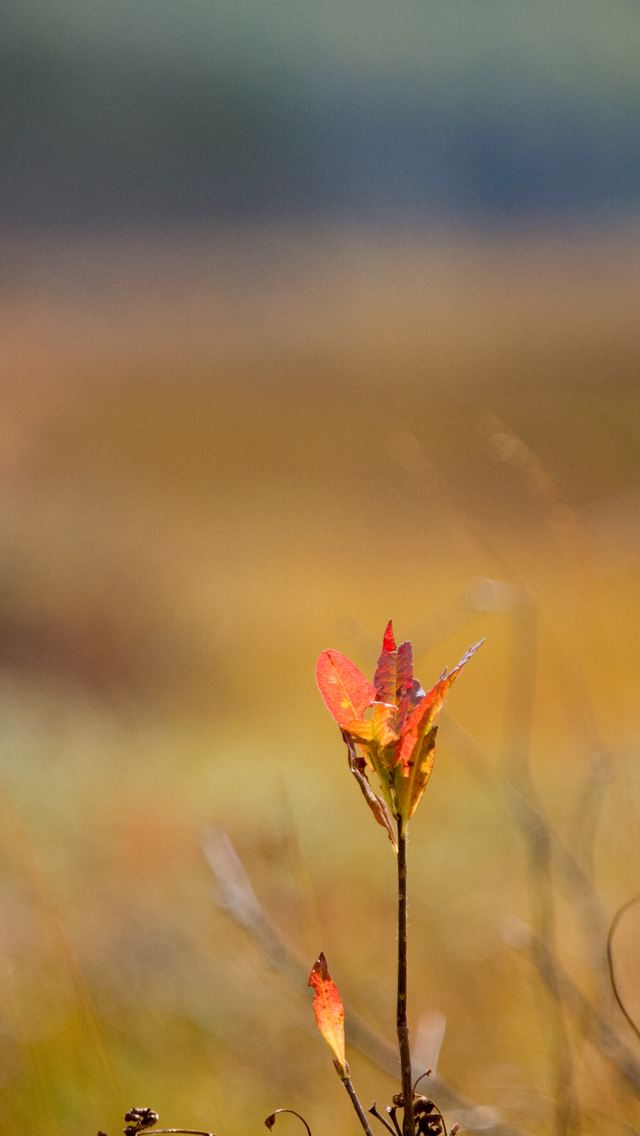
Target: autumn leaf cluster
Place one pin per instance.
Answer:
(396, 739)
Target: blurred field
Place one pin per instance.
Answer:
(218, 457)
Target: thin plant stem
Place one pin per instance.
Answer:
(346, 1081)
(374, 1112)
(401, 1019)
(270, 1121)
(240, 904)
(614, 985)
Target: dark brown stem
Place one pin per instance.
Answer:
(346, 1081)
(373, 1111)
(402, 1024)
(392, 1113)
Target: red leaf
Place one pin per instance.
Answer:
(329, 1012)
(344, 688)
(404, 679)
(386, 671)
(388, 641)
(394, 673)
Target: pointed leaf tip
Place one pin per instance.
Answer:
(319, 969)
(465, 658)
(385, 679)
(329, 1012)
(389, 643)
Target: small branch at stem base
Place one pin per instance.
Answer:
(373, 1111)
(402, 1024)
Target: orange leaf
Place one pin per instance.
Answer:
(416, 726)
(424, 765)
(416, 751)
(329, 1012)
(426, 713)
(380, 729)
(344, 688)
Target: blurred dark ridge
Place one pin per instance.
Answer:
(451, 114)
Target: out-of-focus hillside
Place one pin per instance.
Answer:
(118, 115)
(217, 458)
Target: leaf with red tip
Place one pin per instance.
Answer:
(384, 679)
(344, 688)
(394, 673)
(329, 1012)
(388, 640)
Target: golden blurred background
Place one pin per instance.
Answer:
(218, 458)
(312, 317)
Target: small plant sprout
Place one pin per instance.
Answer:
(396, 743)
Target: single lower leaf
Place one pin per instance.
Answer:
(329, 1011)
